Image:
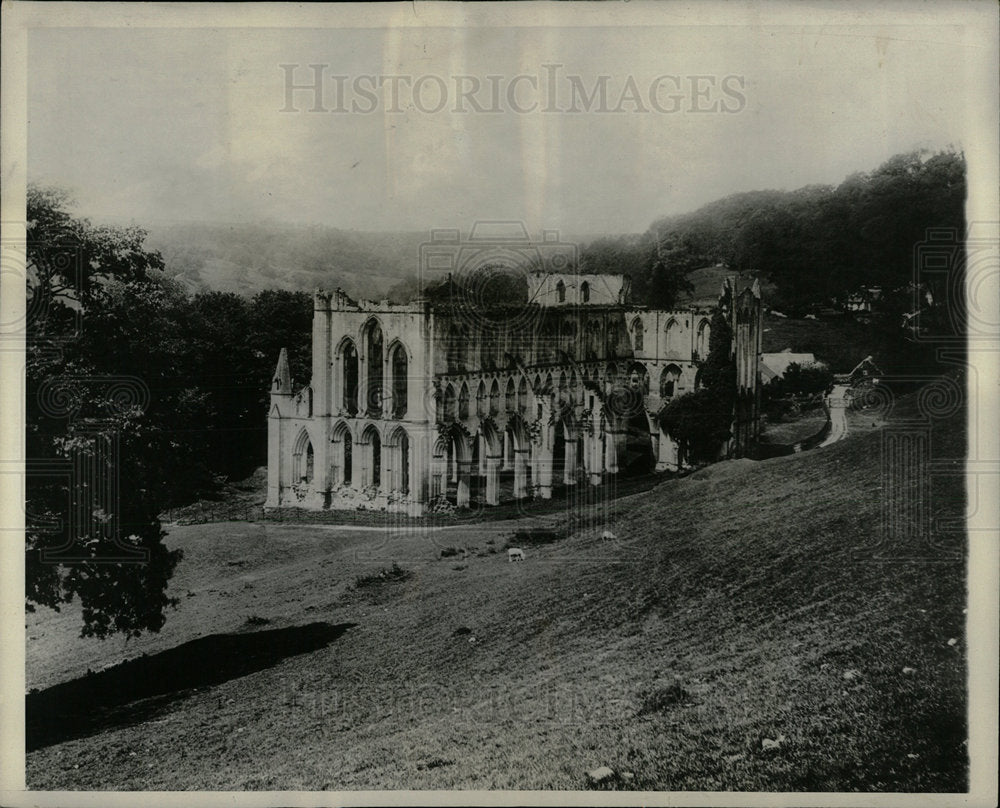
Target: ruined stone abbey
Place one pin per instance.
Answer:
(446, 398)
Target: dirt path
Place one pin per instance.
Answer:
(837, 402)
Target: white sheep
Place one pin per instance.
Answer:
(515, 554)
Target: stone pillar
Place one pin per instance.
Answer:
(419, 474)
(387, 468)
(621, 446)
(321, 456)
(596, 467)
(520, 473)
(610, 452)
(654, 437)
(464, 472)
(358, 452)
(508, 452)
(321, 360)
(493, 480)
(438, 476)
(569, 461)
(544, 466)
(482, 454)
(362, 381)
(273, 460)
(387, 391)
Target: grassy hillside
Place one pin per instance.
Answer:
(732, 609)
(841, 343)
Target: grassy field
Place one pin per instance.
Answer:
(795, 430)
(738, 605)
(841, 343)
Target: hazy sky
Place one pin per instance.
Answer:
(187, 124)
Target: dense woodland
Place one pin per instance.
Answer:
(816, 244)
(129, 346)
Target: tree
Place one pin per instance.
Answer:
(806, 380)
(821, 242)
(666, 285)
(702, 421)
(94, 292)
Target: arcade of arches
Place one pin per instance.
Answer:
(411, 403)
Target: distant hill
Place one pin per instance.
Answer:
(247, 258)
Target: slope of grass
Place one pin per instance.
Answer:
(794, 430)
(733, 608)
(841, 342)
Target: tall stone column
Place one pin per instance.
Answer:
(387, 391)
(544, 466)
(420, 469)
(321, 351)
(493, 480)
(621, 447)
(569, 460)
(358, 452)
(387, 466)
(596, 459)
(273, 461)
(610, 452)
(321, 457)
(520, 473)
(464, 473)
(439, 477)
(654, 436)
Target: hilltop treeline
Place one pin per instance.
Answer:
(815, 244)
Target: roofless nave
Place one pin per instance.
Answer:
(408, 403)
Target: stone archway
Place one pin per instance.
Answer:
(371, 446)
(342, 460)
(399, 452)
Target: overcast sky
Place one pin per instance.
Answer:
(162, 125)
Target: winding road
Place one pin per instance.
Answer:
(837, 402)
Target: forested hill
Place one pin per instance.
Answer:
(815, 243)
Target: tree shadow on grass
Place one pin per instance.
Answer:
(137, 689)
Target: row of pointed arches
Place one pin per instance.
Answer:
(495, 397)
(584, 292)
(372, 381)
(591, 338)
(357, 461)
(674, 342)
